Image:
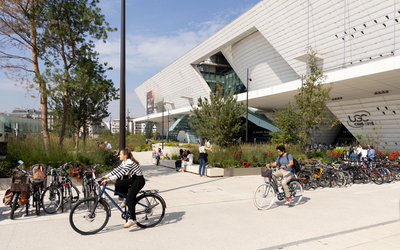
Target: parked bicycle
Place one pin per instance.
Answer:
(265, 193)
(89, 216)
(59, 193)
(18, 194)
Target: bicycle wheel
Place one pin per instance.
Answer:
(339, 179)
(75, 193)
(296, 192)
(376, 177)
(324, 180)
(84, 220)
(149, 210)
(14, 205)
(264, 196)
(51, 199)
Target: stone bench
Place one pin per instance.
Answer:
(210, 171)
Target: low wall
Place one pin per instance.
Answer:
(213, 171)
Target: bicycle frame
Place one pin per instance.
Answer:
(280, 195)
(112, 200)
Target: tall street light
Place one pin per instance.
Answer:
(247, 103)
(162, 126)
(122, 102)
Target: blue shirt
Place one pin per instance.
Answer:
(284, 161)
(371, 153)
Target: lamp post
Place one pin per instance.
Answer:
(168, 127)
(122, 102)
(247, 104)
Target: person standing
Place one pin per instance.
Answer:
(371, 155)
(359, 151)
(158, 155)
(203, 157)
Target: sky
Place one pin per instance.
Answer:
(158, 32)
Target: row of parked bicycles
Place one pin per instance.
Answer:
(318, 174)
(340, 174)
(88, 215)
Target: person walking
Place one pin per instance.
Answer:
(203, 158)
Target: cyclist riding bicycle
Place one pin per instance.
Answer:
(130, 186)
(285, 171)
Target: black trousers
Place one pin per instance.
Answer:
(130, 186)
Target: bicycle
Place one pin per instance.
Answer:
(18, 185)
(264, 195)
(90, 216)
(59, 192)
(89, 187)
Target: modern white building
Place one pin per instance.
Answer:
(357, 42)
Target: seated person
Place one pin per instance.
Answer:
(178, 162)
(187, 161)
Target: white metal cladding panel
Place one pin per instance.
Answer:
(285, 26)
(266, 66)
(390, 122)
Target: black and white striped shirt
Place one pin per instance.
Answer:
(127, 167)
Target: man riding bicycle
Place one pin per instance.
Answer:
(286, 170)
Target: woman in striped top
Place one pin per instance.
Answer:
(129, 167)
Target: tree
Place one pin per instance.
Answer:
(287, 124)
(66, 24)
(370, 134)
(312, 102)
(89, 99)
(18, 33)
(219, 118)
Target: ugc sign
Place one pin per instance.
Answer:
(359, 119)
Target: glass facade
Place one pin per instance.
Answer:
(11, 127)
(216, 68)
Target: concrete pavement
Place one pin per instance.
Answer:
(218, 213)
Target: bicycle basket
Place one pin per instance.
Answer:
(19, 184)
(39, 173)
(266, 172)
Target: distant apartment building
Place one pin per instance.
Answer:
(35, 114)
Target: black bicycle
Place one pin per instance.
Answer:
(90, 216)
(59, 193)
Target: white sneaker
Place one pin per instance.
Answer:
(123, 204)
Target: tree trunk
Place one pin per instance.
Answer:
(76, 142)
(84, 134)
(65, 110)
(42, 84)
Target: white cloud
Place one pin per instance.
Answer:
(9, 85)
(145, 51)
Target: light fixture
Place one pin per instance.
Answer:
(187, 96)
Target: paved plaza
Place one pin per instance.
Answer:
(218, 213)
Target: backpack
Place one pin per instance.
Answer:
(8, 197)
(296, 164)
(23, 198)
(39, 173)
